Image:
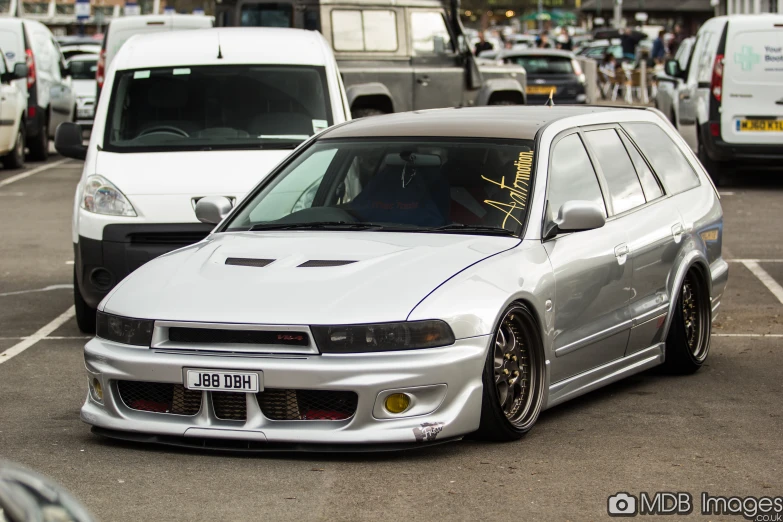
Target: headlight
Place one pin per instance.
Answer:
(101, 197)
(137, 332)
(382, 337)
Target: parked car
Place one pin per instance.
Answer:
(550, 71)
(458, 271)
(13, 106)
(50, 98)
(188, 114)
(598, 49)
(382, 46)
(82, 68)
(667, 96)
(730, 97)
(121, 29)
(72, 46)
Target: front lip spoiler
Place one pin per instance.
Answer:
(245, 446)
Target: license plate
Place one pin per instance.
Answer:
(541, 89)
(221, 380)
(760, 125)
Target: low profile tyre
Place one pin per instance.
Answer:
(85, 315)
(714, 168)
(39, 146)
(688, 342)
(15, 158)
(513, 378)
(364, 113)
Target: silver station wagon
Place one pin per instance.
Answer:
(418, 277)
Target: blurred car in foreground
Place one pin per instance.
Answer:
(81, 68)
(188, 114)
(550, 71)
(413, 278)
(27, 496)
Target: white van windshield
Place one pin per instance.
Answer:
(216, 107)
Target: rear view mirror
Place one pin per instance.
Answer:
(672, 68)
(212, 209)
(576, 216)
(69, 142)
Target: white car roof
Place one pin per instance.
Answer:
(236, 46)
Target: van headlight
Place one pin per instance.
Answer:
(102, 197)
(382, 337)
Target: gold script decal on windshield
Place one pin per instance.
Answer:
(517, 192)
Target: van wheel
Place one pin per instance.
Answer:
(714, 168)
(513, 378)
(363, 113)
(688, 341)
(15, 158)
(39, 146)
(85, 315)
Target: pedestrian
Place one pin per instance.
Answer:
(542, 42)
(658, 48)
(482, 44)
(628, 44)
(676, 40)
(564, 40)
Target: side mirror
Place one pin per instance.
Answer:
(439, 45)
(672, 68)
(212, 209)
(20, 71)
(576, 216)
(69, 142)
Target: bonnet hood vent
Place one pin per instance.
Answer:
(314, 263)
(246, 261)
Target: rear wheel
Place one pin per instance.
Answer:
(513, 378)
(39, 145)
(15, 158)
(363, 113)
(714, 168)
(85, 314)
(688, 342)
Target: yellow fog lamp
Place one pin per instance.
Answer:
(97, 389)
(397, 402)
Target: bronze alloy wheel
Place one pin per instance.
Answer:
(695, 315)
(514, 368)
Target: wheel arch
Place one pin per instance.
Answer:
(498, 85)
(372, 95)
(694, 259)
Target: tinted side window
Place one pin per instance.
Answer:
(666, 158)
(652, 190)
(571, 175)
(624, 187)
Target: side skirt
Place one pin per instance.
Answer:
(601, 376)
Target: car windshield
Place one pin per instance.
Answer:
(267, 15)
(216, 107)
(452, 185)
(83, 69)
(544, 65)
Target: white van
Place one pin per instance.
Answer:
(121, 29)
(730, 96)
(187, 115)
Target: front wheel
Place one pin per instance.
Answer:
(15, 158)
(39, 146)
(688, 341)
(513, 378)
(85, 314)
(713, 168)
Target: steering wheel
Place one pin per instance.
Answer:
(168, 129)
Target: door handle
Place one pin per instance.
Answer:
(621, 250)
(423, 80)
(677, 231)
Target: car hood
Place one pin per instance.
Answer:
(202, 173)
(389, 275)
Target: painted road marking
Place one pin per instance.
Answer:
(746, 335)
(44, 289)
(29, 173)
(37, 336)
(727, 193)
(755, 260)
(765, 278)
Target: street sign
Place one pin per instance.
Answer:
(82, 10)
(132, 9)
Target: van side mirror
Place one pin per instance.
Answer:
(672, 68)
(20, 71)
(212, 209)
(576, 216)
(69, 142)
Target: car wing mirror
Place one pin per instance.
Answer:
(576, 216)
(672, 68)
(19, 71)
(212, 209)
(69, 142)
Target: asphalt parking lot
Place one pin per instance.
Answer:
(718, 431)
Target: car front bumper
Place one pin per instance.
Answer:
(444, 383)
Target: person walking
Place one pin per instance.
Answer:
(628, 44)
(564, 40)
(658, 48)
(482, 44)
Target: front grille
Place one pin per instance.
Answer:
(229, 406)
(218, 336)
(159, 397)
(167, 238)
(280, 404)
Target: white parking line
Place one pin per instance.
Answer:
(755, 260)
(746, 335)
(727, 193)
(765, 278)
(29, 173)
(44, 289)
(37, 336)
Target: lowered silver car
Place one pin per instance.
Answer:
(418, 277)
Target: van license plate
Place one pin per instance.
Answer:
(761, 125)
(221, 380)
(541, 89)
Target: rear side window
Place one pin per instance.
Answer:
(624, 187)
(571, 176)
(543, 65)
(666, 158)
(367, 30)
(652, 190)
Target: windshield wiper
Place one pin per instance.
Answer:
(459, 227)
(317, 225)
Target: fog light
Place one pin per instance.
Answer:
(397, 402)
(97, 389)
